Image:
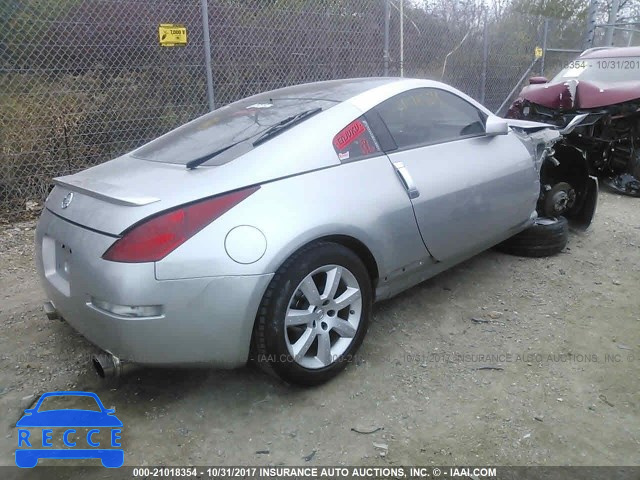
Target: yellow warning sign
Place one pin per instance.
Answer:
(172, 35)
(538, 52)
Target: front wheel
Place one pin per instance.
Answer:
(314, 314)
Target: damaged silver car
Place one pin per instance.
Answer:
(266, 229)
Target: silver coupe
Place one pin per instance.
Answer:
(266, 229)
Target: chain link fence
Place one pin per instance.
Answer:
(626, 34)
(84, 81)
(482, 56)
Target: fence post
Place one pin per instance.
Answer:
(207, 53)
(517, 86)
(402, 38)
(485, 56)
(387, 18)
(613, 18)
(544, 45)
(591, 25)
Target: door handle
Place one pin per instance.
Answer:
(406, 179)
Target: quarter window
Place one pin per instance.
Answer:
(355, 141)
(429, 115)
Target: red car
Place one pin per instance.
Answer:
(596, 100)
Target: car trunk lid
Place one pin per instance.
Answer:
(113, 196)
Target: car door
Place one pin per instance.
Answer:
(469, 190)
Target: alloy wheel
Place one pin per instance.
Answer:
(323, 316)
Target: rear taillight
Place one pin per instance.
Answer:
(157, 237)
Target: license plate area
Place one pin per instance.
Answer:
(63, 260)
(56, 259)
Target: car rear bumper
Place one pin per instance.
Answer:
(207, 320)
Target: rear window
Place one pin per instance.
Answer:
(241, 121)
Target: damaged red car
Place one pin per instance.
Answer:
(595, 100)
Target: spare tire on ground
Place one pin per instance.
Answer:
(546, 237)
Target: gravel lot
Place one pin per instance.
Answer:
(546, 374)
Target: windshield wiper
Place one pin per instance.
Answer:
(191, 164)
(281, 126)
(270, 132)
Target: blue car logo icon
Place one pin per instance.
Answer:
(36, 432)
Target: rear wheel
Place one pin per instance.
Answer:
(546, 237)
(314, 314)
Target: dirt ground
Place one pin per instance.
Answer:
(546, 374)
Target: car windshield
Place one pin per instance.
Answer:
(612, 69)
(66, 402)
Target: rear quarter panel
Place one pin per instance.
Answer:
(362, 199)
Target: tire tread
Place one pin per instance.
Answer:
(539, 240)
(260, 342)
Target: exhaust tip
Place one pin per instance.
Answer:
(50, 311)
(97, 366)
(107, 365)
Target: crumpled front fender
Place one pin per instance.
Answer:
(569, 164)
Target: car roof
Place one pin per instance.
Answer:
(331, 90)
(611, 52)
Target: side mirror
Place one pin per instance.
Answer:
(496, 126)
(538, 80)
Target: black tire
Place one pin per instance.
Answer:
(547, 237)
(269, 341)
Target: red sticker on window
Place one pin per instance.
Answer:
(366, 148)
(349, 134)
